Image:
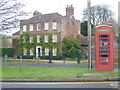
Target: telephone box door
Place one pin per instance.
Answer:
(104, 48)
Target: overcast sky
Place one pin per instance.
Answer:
(51, 6)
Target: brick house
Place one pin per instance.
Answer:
(43, 33)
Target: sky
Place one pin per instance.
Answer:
(52, 6)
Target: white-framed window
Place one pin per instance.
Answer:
(54, 38)
(38, 38)
(31, 39)
(31, 27)
(46, 51)
(24, 51)
(46, 38)
(23, 39)
(38, 26)
(24, 28)
(46, 26)
(54, 25)
(54, 51)
(31, 52)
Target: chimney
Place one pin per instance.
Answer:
(69, 10)
(36, 13)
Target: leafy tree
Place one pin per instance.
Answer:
(84, 28)
(70, 46)
(10, 13)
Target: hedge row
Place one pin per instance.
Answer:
(41, 57)
(7, 51)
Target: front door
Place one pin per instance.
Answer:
(38, 51)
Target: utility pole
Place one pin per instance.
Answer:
(119, 31)
(89, 35)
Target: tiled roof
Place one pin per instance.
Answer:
(44, 17)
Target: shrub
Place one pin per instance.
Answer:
(26, 57)
(41, 57)
(7, 51)
(53, 57)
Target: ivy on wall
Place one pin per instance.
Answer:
(32, 45)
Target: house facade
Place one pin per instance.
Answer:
(43, 33)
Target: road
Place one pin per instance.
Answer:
(53, 65)
(60, 84)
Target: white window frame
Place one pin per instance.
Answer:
(31, 27)
(46, 38)
(23, 39)
(46, 26)
(31, 52)
(38, 26)
(46, 51)
(24, 27)
(31, 39)
(54, 25)
(25, 51)
(54, 51)
(54, 38)
(38, 38)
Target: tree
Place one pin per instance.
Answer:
(10, 13)
(70, 46)
(99, 14)
(84, 28)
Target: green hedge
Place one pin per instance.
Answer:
(7, 51)
(26, 57)
(41, 57)
(53, 57)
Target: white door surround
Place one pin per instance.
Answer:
(38, 51)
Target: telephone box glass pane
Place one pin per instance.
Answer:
(104, 51)
(103, 36)
(104, 63)
(104, 48)
(104, 40)
(104, 55)
(104, 44)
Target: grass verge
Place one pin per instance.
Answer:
(13, 72)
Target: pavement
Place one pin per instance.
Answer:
(61, 80)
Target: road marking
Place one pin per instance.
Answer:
(115, 84)
(54, 82)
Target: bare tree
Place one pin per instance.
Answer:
(99, 14)
(10, 13)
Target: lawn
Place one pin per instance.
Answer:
(13, 72)
(75, 59)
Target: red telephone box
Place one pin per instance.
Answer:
(104, 48)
